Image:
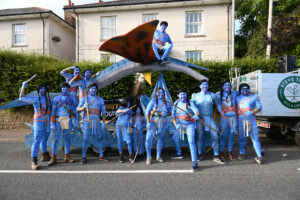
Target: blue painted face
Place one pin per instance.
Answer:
(245, 91)
(64, 90)
(226, 87)
(204, 86)
(88, 74)
(93, 90)
(160, 94)
(182, 97)
(76, 71)
(163, 28)
(138, 111)
(42, 91)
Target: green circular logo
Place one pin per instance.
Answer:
(289, 92)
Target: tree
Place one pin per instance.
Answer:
(253, 15)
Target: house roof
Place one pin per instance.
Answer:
(23, 11)
(29, 11)
(122, 3)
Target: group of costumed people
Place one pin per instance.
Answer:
(191, 116)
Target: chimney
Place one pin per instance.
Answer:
(100, 1)
(70, 2)
(70, 19)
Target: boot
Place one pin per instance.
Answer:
(222, 155)
(45, 157)
(130, 157)
(52, 161)
(68, 158)
(121, 158)
(34, 165)
(230, 156)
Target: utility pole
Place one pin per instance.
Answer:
(269, 33)
(233, 30)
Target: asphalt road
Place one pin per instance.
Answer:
(277, 178)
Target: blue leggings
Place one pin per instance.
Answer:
(254, 137)
(40, 138)
(138, 135)
(225, 128)
(190, 130)
(122, 134)
(160, 139)
(166, 49)
(214, 137)
(87, 131)
(56, 137)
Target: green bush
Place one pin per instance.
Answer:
(18, 67)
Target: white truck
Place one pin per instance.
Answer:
(280, 98)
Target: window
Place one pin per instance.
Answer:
(108, 58)
(108, 27)
(19, 34)
(192, 56)
(149, 17)
(193, 23)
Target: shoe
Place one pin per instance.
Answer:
(160, 160)
(195, 168)
(68, 158)
(83, 160)
(230, 156)
(218, 160)
(34, 165)
(148, 161)
(222, 155)
(103, 158)
(52, 161)
(241, 157)
(130, 157)
(121, 160)
(258, 160)
(200, 157)
(45, 157)
(177, 157)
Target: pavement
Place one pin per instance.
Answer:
(277, 178)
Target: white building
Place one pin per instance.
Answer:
(37, 30)
(199, 29)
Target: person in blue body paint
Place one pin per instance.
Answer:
(202, 105)
(182, 116)
(41, 121)
(138, 122)
(72, 90)
(91, 121)
(247, 106)
(63, 108)
(122, 129)
(227, 100)
(156, 115)
(159, 43)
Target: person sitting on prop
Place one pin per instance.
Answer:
(83, 84)
(41, 121)
(182, 116)
(138, 122)
(122, 129)
(227, 100)
(202, 105)
(159, 43)
(72, 90)
(63, 109)
(247, 106)
(93, 107)
(156, 115)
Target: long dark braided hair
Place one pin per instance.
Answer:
(226, 81)
(48, 101)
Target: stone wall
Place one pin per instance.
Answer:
(15, 119)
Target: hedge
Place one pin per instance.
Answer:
(17, 67)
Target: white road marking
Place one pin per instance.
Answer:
(299, 169)
(96, 172)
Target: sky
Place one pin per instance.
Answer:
(55, 5)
